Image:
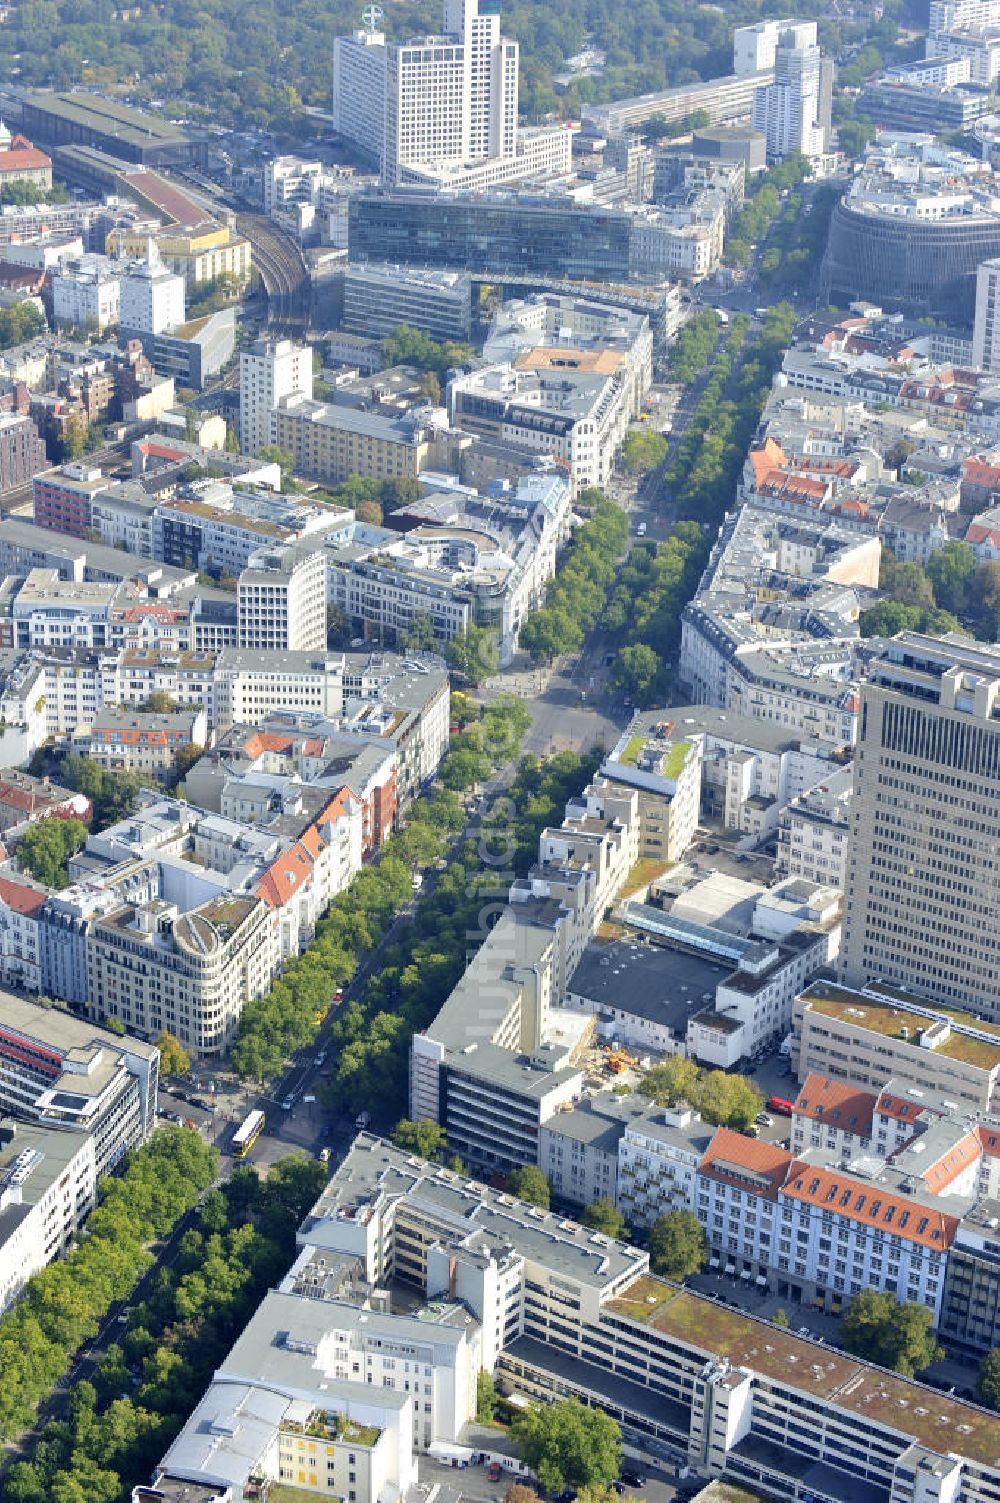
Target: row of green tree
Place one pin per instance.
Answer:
(120, 1424)
(576, 595)
(63, 1305)
(933, 596)
(763, 206)
(798, 241)
(694, 346)
(371, 1035)
(288, 1016)
(724, 1100)
(655, 583)
(485, 743)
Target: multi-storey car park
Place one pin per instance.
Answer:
(556, 1309)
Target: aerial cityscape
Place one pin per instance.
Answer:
(500, 752)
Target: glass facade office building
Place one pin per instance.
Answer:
(494, 235)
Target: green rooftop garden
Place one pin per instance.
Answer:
(325, 1425)
(676, 757)
(631, 750)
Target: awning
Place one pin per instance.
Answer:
(761, 1280)
(730, 1268)
(713, 1262)
(746, 1274)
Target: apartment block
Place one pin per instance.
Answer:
(213, 526)
(22, 452)
(276, 1415)
(564, 1311)
(659, 1153)
(379, 298)
(281, 601)
(441, 111)
(463, 560)
(63, 499)
(154, 967)
(48, 1186)
(664, 766)
(794, 110)
(581, 417)
(329, 443)
(269, 371)
(152, 296)
(62, 1072)
(144, 741)
(813, 832)
(21, 902)
(86, 293)
(835, 1115)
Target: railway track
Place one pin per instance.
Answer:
(276, 255)
(283, 272)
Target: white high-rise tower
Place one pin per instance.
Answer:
(441, 108)
(790, 110)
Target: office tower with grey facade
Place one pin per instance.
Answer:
(922, 905)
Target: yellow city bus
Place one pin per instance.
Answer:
(246, 1136)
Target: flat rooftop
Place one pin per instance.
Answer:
(661, 984)
(375, 1174)
(103, 115)
(970, 1041)
(64, 1032)
(939, 1422)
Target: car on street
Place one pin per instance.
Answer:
(763, 1120)
(288, 1103)
(633, 1479)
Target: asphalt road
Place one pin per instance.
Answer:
(660, 1485)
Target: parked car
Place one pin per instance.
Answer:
(633, 1479)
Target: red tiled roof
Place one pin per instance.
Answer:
(20, 898)
(989, 1139)
(901, 1108)
(863, 1201)
(770, 457)
(834, 1102)
(285, 876)
(981, 470)
(950, 1165)
(21, 156)
(293, 868)
(783, 483)
(160, 451)
(731, 1157)
(30, 799)
(979, 533)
